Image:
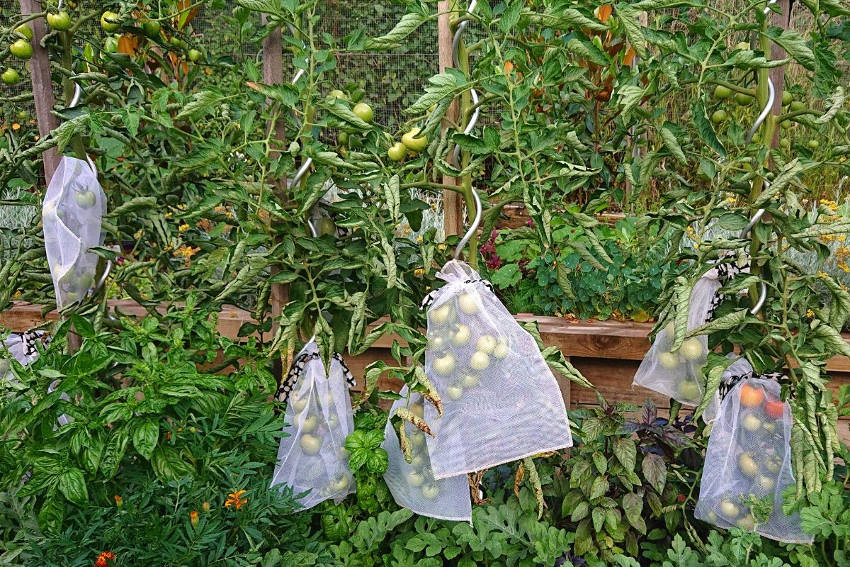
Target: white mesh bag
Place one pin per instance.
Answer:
(748, 464)
(678, 374)
(413, 485)
(21, 347)
(72, 213)
(318, 419)
(501, 402)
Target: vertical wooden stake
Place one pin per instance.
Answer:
(452, 201)
(273, 75)
(42, 86)
(777, 74)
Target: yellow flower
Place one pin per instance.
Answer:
(235, 500)
(16, 126)
(441, 246)
(419, 272)
(419, 239)
(183, 227)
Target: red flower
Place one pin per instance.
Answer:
(105, 559)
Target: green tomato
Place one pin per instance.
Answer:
(743, 99)
(363, 111)
(461, 335)
(501, 351)
(722, 92)
(110, 21)
(747, 464)
(689, 390)
(479, 361)
(151, 28)
(692, 349)
(719, 116)
(445, 365)
(10, 76)
(396, 152)
(430, 491)
(468, 303)
(441, 315)
(342, 138)
(415, 479)
(787, 98)
(413, 141)
(60, 21)
(194, 55)
(668, 360)
(751, 423)
(25, 31)
(310, 444)
(336, 93)
(85, 199)
(797, 106)
(486, 344)
(454, 392)
(21, 49)
(813, 144)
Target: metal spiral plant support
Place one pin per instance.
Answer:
(309, 161)
(467, 129)
(771, 96)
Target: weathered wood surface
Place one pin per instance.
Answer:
(42, 84)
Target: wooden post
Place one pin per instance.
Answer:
(452, 201)
(42, 86)
(777, 74)
(273, 75)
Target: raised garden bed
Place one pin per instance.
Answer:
(607, 352)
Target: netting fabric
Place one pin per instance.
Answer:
(72, 213)
(312, 457)
(501, 401)
(677, 374)
(413, 485)
(748, 464)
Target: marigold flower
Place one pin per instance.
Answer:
(105, 559)
(183, 227)
(118, 501)
(205, 506)
(235, 500)
(193, 518)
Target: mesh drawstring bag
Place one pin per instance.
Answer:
(22, 348)
(413, 485)
(72, 212)
(501, 402)
(677, 374)
(318, 418)
(748, 463)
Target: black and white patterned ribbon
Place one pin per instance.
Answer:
(297, 370)
(431, 297)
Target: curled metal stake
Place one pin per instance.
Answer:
(312, 228)
(473, 228)
(771, 95)
(307, 162)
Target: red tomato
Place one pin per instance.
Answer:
(774, 409)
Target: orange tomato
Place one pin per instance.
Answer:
(774, 409)
(751, 396)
